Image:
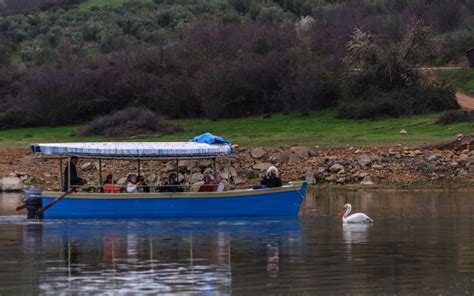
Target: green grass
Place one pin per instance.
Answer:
(90, 3)
(463, 79)
(320, 128)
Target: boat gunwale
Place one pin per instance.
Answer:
(297, 187)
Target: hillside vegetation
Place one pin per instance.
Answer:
(92, 3)
(71, 63)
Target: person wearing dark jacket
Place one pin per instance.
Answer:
(271, 178)
(171, 185)
(75, 180)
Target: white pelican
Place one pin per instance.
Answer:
(354, 218)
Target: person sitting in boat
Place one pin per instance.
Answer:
(172, 185)
(271, 178)
(142, 186)
(107, 185)
(132, 184)
(221, 184)
(207, 186)
(163, 185)
(70, 175)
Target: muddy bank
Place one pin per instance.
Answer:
(398, 166)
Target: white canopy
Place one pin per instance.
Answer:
(133, 149)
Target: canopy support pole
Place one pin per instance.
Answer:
(100, 172)
(177, 170)
(138, 167)
(191, 167)
(150, 165)
(229, 172)
(69, 173)
(114, 167)
(61, 173)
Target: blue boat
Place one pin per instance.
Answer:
(284, 201)
(281, 201)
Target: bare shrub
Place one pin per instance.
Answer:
(384, 81)
(129, 122)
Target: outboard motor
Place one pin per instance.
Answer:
(32, 201)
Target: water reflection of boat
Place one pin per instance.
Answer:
(162, 257)
(283, 201)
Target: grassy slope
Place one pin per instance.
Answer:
(463, 79)
(320, 128)
(91, 3)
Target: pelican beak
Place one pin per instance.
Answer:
(341, 213)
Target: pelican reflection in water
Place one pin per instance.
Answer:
(354, 218)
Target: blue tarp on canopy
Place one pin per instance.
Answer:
(209, 138)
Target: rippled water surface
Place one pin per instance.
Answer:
(420, 243)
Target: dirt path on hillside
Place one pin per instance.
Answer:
(465, 101)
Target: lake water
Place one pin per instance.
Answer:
(420, 243)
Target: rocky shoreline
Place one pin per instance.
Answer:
(451, 161)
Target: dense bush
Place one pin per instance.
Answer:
(227, 58)
(129, 122)
(456, 116)
(15, 6)
(399, 102)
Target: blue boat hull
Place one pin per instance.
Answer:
(285, 201)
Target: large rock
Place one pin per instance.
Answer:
(152, 179)
(205, 163)
(11, 184)
(313, 153)
(336, 168)
(237, 180)
(88, 166)
(361, 175)
(310, 176)
(170, 167)
(197, 177)
(227, 172)
(434, 156)
(300, 152)
(122, 181)
(257, 153)
(22, 175)
(185, 165)
(367, 181)
(280, 157)
(364, 160)
(320, 170)
(263, 166)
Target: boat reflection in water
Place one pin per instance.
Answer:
(158, 256)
